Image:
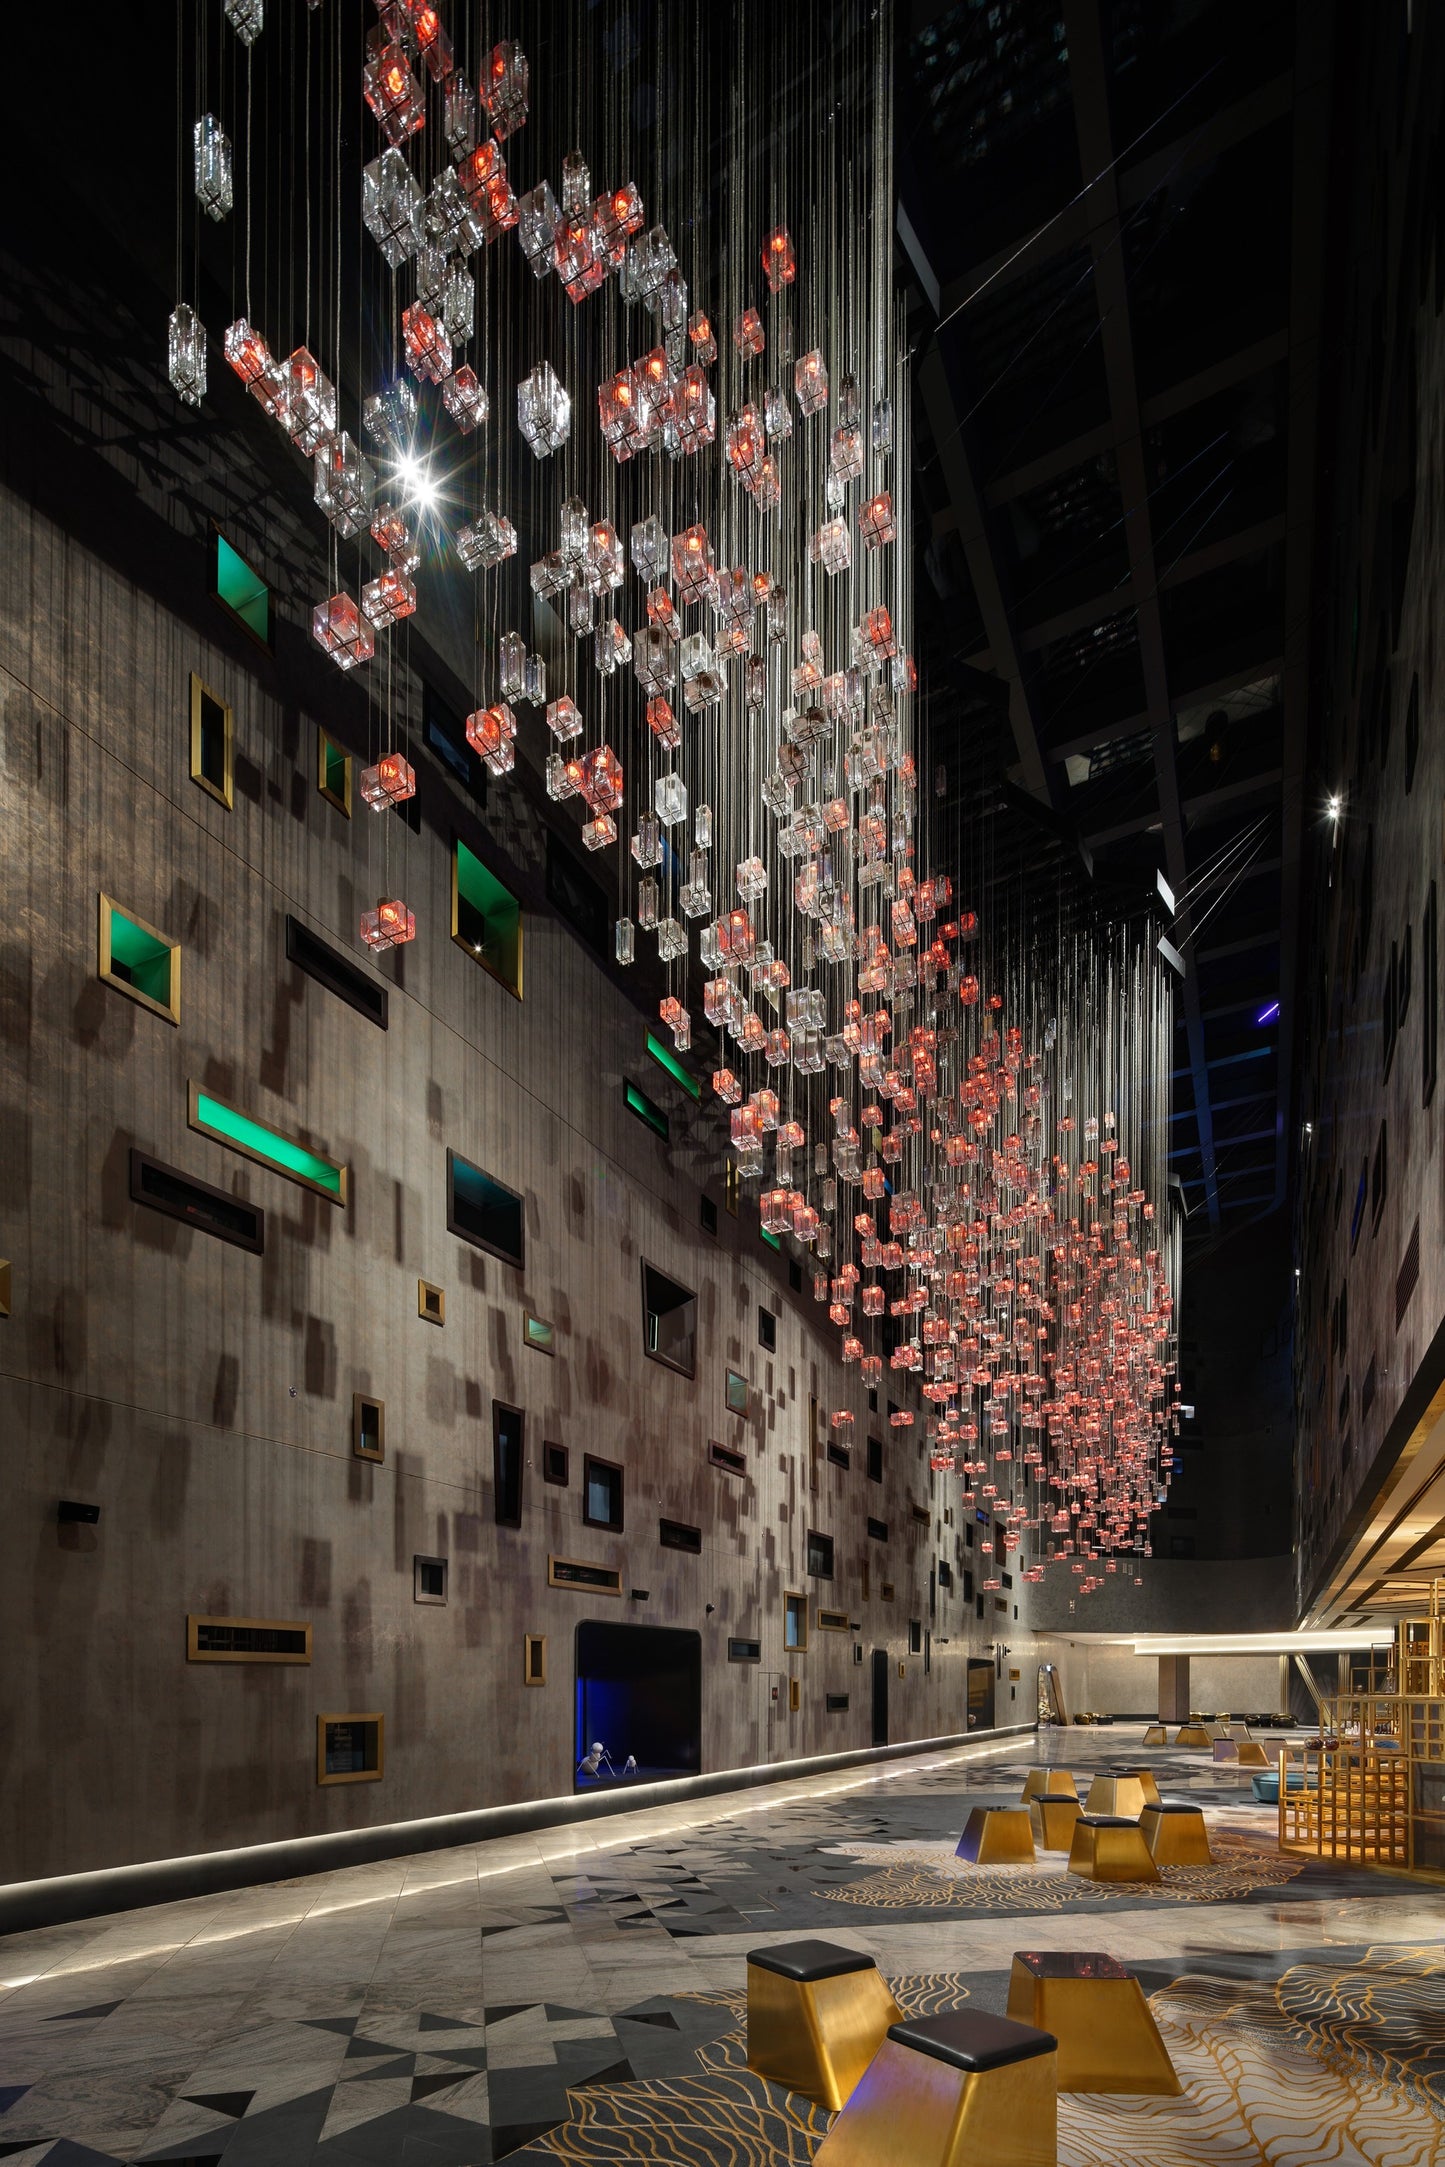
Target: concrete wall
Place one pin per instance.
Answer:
(202, 1397)
(1175, 1595)
(1111, 1680)
(1365, 1333)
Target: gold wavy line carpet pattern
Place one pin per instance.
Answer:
(930, 1877)
(1321, 2068)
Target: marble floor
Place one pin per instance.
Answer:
(577, 1995)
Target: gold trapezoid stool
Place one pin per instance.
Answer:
(1095, 2008)
(817, 2015)
(1225, 1752)
(1192, 1734)
(1156, 1735)
(1175, 1833)
(1253, 1755)
(964, 2090)
(1144, 1777)
(1108, 1848)
(1048, 1783)
(997, 1836)
(1118, 1797)
(1053, 1821)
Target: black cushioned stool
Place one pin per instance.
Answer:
(817, 2015)
(1175, 1833)
(964, 2090)
(1108, 1847)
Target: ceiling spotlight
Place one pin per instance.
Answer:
(1270, 1014)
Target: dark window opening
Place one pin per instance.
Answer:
(669, 1321)
(429, 1580)
(677, 1535)
(875, 1459)
(820, 1556)
(555, 1465)
(707, 1213)
(576, 897)
(878, 1530)
(482, 1212)
(601, 1493)
(767, 1329)
(197, 1203)
(507, 1432)
(336, 972)
(639, 1697)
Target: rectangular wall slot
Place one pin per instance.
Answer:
(368, 1427)
(651, 1115)
(336, 972)
(247, 1640)
(138, 961)
(197, 1203)
(669, 1321)
(333, 772)
(534, 1659)
(240, 589)
(350, 1749)
(267, 1146)
(554, 1465)
(664, 1056)
(508, 1459)
(212, 743)
(839, 1455)
(745, 1651)
(486, 919)
(677, 1535)
(795, 1695)
(431, 1302)
(576, 1573)
(731, 1463)
(483, 1212)
(429, 1580)
(831, 1621)
(878, 1530)
(835, 1703)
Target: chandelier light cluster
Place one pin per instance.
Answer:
(706, 361)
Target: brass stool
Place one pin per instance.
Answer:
(1253, 1755)
(1225, 1751)
(1053, 1821)
(1108, 2040)
(1048, 1783)
(997, 1836)
(1144, 1777)
(817, 2015)
(1117, 1797)
(1108, 1848)
(1192, 1734)
(952, 2091)
(1156, 1735)
(1175, 1833)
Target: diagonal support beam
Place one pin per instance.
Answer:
(1088, 69)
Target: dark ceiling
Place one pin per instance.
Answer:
(1114, 218)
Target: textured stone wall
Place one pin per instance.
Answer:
(201, 1397)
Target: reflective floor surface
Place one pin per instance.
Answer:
(577, 1994)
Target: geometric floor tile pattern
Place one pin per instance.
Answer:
(576, 1995)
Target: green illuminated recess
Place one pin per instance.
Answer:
(640, 1104)
(486, 919)
(666, 1058)
(139, 962)
(243, 591)
(773, 1241)
(228, 1125)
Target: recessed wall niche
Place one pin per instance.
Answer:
(138, 961)
(534, 1659)
(368, 1427)
(350, 1748)
(669, 1321)
(431, 1302)
(429, 1580)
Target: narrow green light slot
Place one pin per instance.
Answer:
(640, 1104)
(214, 1118)
(773, 1240)
(666, 1058)
(242, 590)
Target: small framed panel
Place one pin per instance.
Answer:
(556, 1465)
(795, 1695)
(737, 1393)
(212, 743)
(538, 1334)
(333, 772)
(350, 1748)
(831, 1621)
(429, 1580)
(247, 1640)
(579, 1573)
(138, 961)
(368, 1427)
(431, 1302)
(723, 1456)
(534, 1659)
(745, 1651)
